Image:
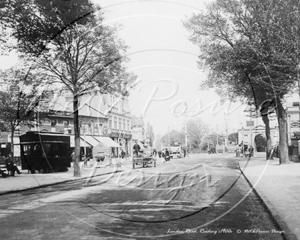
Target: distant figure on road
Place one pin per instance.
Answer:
(167, 155)
(154, 152)
(136, 148)
(159, 153)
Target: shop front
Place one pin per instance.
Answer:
(124, 140)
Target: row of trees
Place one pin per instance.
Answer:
(251, 53)
(66, 46)
(199, 136)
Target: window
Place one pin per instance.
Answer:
(96, 130)
(128, 125)
(66, 124)
(100, 128)
(124, 124)
(120, 123)
(110, 123)
(53, 123)
(115, 123)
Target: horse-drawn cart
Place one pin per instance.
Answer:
(144, 161)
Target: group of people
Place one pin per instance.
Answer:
(10, 167)
(164, 153)
(247, 150)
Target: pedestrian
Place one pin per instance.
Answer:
(73, 156)
(136, 148)
(154, 152)
(184, 152)
(84, 158)
(122, 153)
(10, 166)
(159, 153)
(187, 152)
(167, 155)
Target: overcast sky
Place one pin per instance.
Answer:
(165, 62)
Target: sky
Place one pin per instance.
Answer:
(165, 62)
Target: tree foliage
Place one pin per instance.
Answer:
(172, 137)
(150, 134)
(35, 23)
(19, 99)
(87, 59)
(196, 131)
(250, 52)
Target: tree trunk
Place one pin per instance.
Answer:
(283, 134)
(266, 121)
(76, 135)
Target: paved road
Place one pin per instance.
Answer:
(201, 197)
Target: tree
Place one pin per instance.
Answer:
(233, 137)
(85, 59)
(213, 140)
(196, 131)
(150, 134)
(34, 23)
(244, 44)
(172, 137)
(19, 99)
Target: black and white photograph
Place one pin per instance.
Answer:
(149, 119)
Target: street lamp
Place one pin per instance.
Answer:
(243, 149)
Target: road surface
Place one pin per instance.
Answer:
(201, 197)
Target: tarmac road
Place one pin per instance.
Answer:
(201, 197)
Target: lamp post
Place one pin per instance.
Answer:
(243, 149)
(289, 130)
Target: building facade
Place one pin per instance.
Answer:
(138, 129)
(99, 115)
(119, 120)
(255, 136)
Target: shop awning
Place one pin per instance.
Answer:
(82, 142)
(107, 141)
(90, 140)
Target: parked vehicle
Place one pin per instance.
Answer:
(176, 152)
(144, 159)
(45, 152)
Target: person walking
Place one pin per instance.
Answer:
(167, 155)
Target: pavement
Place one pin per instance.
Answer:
(27, 180)
(279, 188)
